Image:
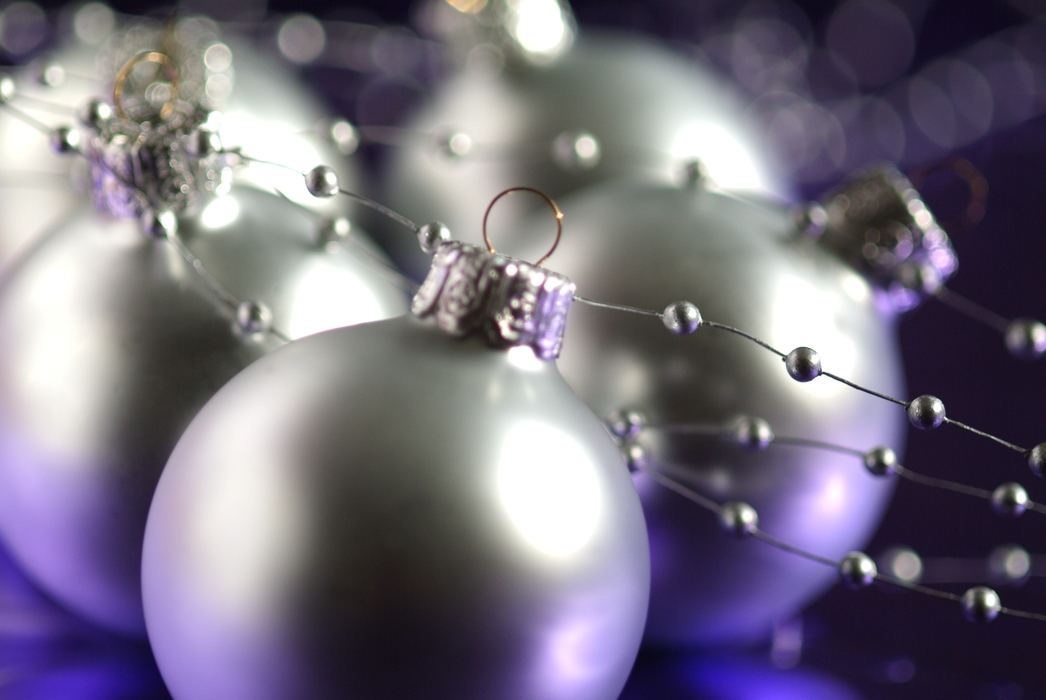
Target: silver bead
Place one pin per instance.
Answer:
(810, 219)
(1026, 338)
(625, 424)
(159, 224)
(681, 317)
(695, 173)
(1010, 563)
(739, 518)
(431, 235)
(1037, 459)
(332, 230)
(322, 181)
(51, 74)
(880, 461)
(926, 412)
(7, 88)
(576, 150)
(95, 113)
(857, 570)
(803, 364)
(1010, 499)
(752, 433)
(981, 604)
(65, 140)
(635, 457)
(253, 317)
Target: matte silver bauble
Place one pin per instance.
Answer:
(387, 511)
(612, 105)
(109, 344)
(263, 111)
(741, 264)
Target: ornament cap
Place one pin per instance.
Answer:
(471, 290)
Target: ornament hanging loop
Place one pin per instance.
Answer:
(556, 211)
(161, 59)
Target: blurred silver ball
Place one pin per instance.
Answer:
(333, 230)
(681, 317)
(811, 219)
(857, 570)
(803, 364)
(65, 140)
(1026, 338)
(110, 343)
(625, 424)
(981, 604)
(489, 535)
(611, 106)
(635, 457)
(880, 461)
(430, 235)
(95, 112)
(926, 412)
(1037, 459)
(1010, 499)
(7, 88)
(322, 181)
(159, 224)
(738, 518)
(752, 433)
(254, 317)
(741, 264)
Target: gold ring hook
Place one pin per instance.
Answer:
(551, 203)
(164, 61)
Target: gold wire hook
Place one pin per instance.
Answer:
(555, 210)
(164, 61)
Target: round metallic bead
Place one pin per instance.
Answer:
(1010, 499)
(1037, 459)
(431, 235)
(254, 317)
(635, 457)
(752, 433)
(51, 74)
(681, 317)
(94, 113)
(880, 461)
(576, 150)
(803, 364)
(739, 518)
(159, 224)
(7, 88)
(857, 570)
(322, 181)
(625, 424)
(1026, 338)
(454, 144)
(695, 174)
(65, 140)
(981, 604)
(926, 412)
(332, 230)
(810, 219)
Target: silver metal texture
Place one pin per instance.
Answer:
(880, 461)
(511, 303)
(109, 343)
(738, 518)
(267, 114)
(1037, 459)
(981, 604)
(879, 224)
(803, 364)
(430, 236)
(388, 511)
(857, 570)
(926, 412)
(742, 264)
(681, 317)
(1010, 499)
(322, 181)
(649, 110)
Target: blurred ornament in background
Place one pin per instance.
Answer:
(747, 265)
(609, 106)
(411, 508)
(256, 105)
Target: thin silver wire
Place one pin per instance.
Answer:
(971, 309)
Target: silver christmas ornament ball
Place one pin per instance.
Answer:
(857, 570)
(743, 264)
(981, 604)
(387, 511)
(109, 344)
(610, 106)
(926, 412)
(1026, 338)
(1010, 499)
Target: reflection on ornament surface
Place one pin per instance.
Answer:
(456, 525)
(741, 264)
(109, 343)
(611, 106)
